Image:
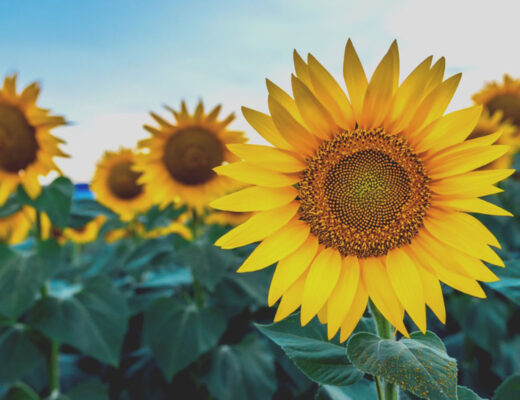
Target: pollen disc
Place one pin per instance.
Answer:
(122, 181)
(191, 154)
(18, 145)
(364, 193)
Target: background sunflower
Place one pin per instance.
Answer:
(177, 161)
(27, 147)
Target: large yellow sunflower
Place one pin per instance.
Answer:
(503, 97)
(489, 124)
(27, 147)
(15, 227)
(116, 186)
(365, 196)
(177, 161)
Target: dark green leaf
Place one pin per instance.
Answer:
(93, 320)
(417, 365)
(178, 333)
(509, 283)
(463, 393)
(18, 353)
(509, 389)
(85, 210)
(92, 390)
(364, 389)
(20, 391)
(321, 360)
(242, 371)
(11, 206)
(484, 321)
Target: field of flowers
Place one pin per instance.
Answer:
(367, 270)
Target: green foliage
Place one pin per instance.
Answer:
(321, 360)
(508, 285)
(419, 364)
(509, 389)
(363, 389)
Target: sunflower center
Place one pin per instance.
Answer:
(191, 154)
(18, 145)
(364, 193)
(509, 104)
(122, 181)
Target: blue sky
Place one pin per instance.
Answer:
(105, 64)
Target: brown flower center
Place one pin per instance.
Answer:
(509, 104)
(364, 193)
(18, 145)
(191, 154)
(122, 181)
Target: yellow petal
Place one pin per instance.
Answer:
(342, 296)
(285, 100)
(249, 173)
(290, 268)
(255, 199)
(316, 117)
(379, 288)
(436, 74)
(433, 294)
(355, 78)
(292, 298)
(407, 285)
(322, 314)
(380, 89)
(331, 95)
(470, 184)
(31, 183)
(302, 69)
(258, 227)
(355, 312)
(295, 134)
(268, 157)
(323, 276)
(277, 246)
(478, 206)
(263, 124)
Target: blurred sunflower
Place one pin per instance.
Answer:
(138, 229)
(488, 124)
(178, 160)
(226, 218)
(503, 97)
(116, 185)
(27, 147)
(367, 196)
(81, 235)
(16, 223)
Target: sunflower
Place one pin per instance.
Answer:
(226, 218)
(365, 196)
(116, 186)
(139, 230)
(504, 97)
(489, 124)
(15, 226)
(177, 161)
(86, 233)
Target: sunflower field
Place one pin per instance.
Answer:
(375, 235)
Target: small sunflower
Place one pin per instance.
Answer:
(116, 185)
(226, 218)
(27, 147)
(503, 97)
(178, 160)
(488, 124)
(15, 227)
(365, 196)
(139, 230)
(87, 233)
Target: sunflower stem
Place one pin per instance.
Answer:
(53, 361)
(385, 390)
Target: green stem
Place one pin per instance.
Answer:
(53, 362)
(385, 331)
(198, 293)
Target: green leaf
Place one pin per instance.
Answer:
(509, 283)
(418, 364)
(85, 210)
(21, 391)
(321, 360)
(364, 389)
(509, 389)
(93, 320)
(18, 353)
(242, 371)
(11, 206)
(464, 393)
(484, 321)
(91, 390)
(179, 333)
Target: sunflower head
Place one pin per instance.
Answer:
(365, 193)
(495, 123)
(116, 184)
(27, 147)
(177, 162)
(503, 97)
